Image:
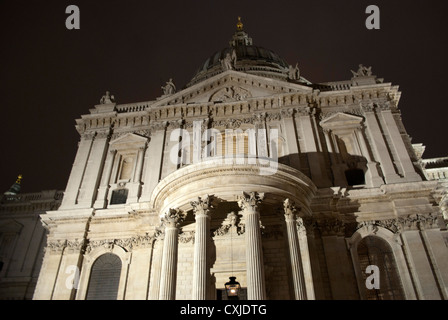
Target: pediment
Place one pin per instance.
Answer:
(341, 119)
(128, 141)
(231, 86)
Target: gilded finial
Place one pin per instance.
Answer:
(19, 179)
(239, 25)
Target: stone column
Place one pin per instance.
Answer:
(294, 250)
(170, 221)
(201, 267)
(254, 254)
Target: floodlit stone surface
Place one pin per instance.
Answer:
(250, 171)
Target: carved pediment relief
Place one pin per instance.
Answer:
(230, 94)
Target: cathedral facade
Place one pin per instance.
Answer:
(299, 190)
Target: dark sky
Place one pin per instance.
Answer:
(50, 76)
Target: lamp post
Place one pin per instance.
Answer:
(233, 289)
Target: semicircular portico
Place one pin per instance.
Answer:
(227, 181)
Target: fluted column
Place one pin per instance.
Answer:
(170, 221)
(201, 267)
(294, 250)
(254, 254)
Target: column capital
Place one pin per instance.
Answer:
(290, 209)
(250, 201)
(203, 205)
(172, 218)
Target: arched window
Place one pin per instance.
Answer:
(375, 251)
(355, 177)
(104, 278)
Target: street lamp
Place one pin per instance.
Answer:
(233, 289)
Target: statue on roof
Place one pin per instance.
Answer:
(362, 71)
(169, 88)
(226, 63)
(107, 98)
(234, 58)
(294, 72)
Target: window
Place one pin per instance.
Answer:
(119, 196)
(104, 278)
(355, 177)
(232, 144)
(373, 250)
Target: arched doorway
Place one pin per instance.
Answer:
(104, 278)
(375, 251)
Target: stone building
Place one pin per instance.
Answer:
(22, 239)
(299, 190)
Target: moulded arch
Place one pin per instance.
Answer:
(395, 244)
(89, 260)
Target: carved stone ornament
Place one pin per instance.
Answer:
(443, 205)
(372, 225)
(169, 88)
(362, 71)
(175, 124)
(107, 98)
(230, 94)
(398, 225)
(419, 222)
(107, 244)
(158, 125)
(56, 246)
(250, 201)
(301, 229)
(231, 123)
(139, 241)
(186, 237)
(76, 245)
(290, 209)
(232, 224)
(203, 205)
(173, 218)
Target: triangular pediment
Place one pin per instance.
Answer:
(341, 119)
(231, 86)
(128, 141)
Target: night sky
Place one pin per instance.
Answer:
(50, 75)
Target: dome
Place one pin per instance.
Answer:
(246, 57)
